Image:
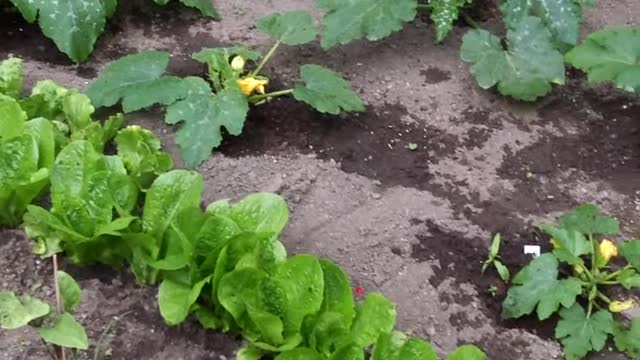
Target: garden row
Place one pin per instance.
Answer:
(224, 265)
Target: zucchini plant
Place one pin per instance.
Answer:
(75, 25)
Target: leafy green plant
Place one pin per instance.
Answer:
(610, 55)
(494, 259)
(205, 108)
(56, 327)
(75, 25)
(543, 287)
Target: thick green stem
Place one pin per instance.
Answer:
(469, 20)
(266, 58)
(257, 98)
(616, 273)
(603, 297)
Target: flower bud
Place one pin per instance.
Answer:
(237, 63)
(607, 250)
(620, 306)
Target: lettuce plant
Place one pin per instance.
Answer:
(205, 108)
(543, 287)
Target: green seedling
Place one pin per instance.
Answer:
(494, 259)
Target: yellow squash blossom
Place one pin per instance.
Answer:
(620, 306)
(608, 250)
(249, 85)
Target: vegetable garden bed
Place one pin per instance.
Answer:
(404, 196)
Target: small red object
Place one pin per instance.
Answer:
(359, 291)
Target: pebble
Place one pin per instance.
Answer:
(376, 196)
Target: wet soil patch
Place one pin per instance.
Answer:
(377, 144)
(434, 75)
(461, 258)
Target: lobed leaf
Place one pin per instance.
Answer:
(610, 55)
(525, 70)
(631, 251)
(326, 91)
(628, 340)
(350, 20)
(291, 28)
(444, 13)
(580, 334)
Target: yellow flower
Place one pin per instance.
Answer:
(249, 85)
(608, 250)
(555, 244)
(620, 306)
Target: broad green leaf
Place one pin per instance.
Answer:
(74, 25)
(142, 154)
(116, 226)
(65, 332)
(580, 334)
(47, 230)
(338, 296)
(388, 346)
(131, 76)
(628, 340)
(42, 132)
(291, 28)
(69, 291)
(77, 109)
(467, 352)
(207, 318)
(326, 91)
(443, 15)
(175, 300)
(170, 194)
(261, 212)
(300, 354)
(376, 315)
(28, 9)
(204, 116)
(572, 244)
(205, 7)
(631, 251)
(110, 7)
(249, 353)
(302, 279)
(11, 77)
(561, 17)
(629, 279)
(610, 55)
(586, 218)
(214, 234)
(352, 352)
(346, 21)
(525, 70)
(326, 332)
(12, 118)
(537, 286)
(16, 313)
(417, 349)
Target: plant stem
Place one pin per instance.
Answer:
(59, 349)
(616, 273)
(257, 98)
(469, 20)
(590, 309)
(603, 297)
(425, 8)
(52, 355)
(266, 58)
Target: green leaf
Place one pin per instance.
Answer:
(631, 251)
(141, 152)
(249, 353)
(12, 118)
(338, 296)
(628, 340)
(176, 299)
(444, 13)
(219, 63)
(376, 315)
(74, 25)
(42, 132)
(525, 70)
(291, 28)
(580, 334)
(537, 286)
(586, 219)
(204, 116)
(572, 244)
(27, 8)
(205, 7)
(69, 290)
(16, 313)
(629, 279)
(261, 212)
(610, 55)
(299, 354)
(326, 91)
(346, 21)
(65, 332)
(170, 194)
(11, 77)
(503, 271)
(110, 7)
(467, 352)
(561, 17)
(350, 352)
(131, 76)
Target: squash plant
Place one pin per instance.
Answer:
(581, 296)
(75, 25)
(205, 108)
